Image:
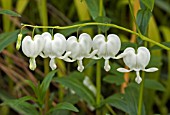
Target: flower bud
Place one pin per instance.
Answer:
(19, 41)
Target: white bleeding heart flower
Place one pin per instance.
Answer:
(80, 48)
(32, 48)
(107, 48)
(136, 62)
(54, 48)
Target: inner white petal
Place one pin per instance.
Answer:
(106, 65)
(80, 66)
(52, 64)
(138, 79)
(32, 64)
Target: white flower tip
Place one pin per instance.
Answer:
(107, 67)
(138, 79)
(123, 70)
(80, 68)
(120, 56)
(153, 69)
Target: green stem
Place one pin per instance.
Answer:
(140, 103)
(110, 109)
(102, 24)
(98, 86)
(98, 74)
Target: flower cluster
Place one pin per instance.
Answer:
(76, 49)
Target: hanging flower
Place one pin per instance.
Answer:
(54, 48)
(107, 48)
(80, 48)
(32, 48)
(136, 62)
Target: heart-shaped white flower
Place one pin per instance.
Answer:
(80, 48)
(107, 48)
(136, 62)
(32, 48)
(54, 48)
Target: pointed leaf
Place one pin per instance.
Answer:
(118, 80)
(65, 106)
(93, 8)
(46, 82)
(117, 101)
(155, 85)
(9, 12)
(74, 83)
(8, 38)
(148, 3)
(21, 106)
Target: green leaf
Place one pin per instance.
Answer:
(46, 82)
(9, 12)
(142, 19)
(118, 80)
(65, 106)
(164, 5)
(8, 38)
(117, 101)
(148, 3)
(155, 85)
(21, 106)
(93, 8)
(103, 19)
(127, 102)
(131, 98)
(76, 85)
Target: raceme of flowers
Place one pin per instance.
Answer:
(76, 49)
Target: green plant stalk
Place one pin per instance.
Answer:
(98, 86)
(140, 103)
(102, 24)
(42, 6)
(98, 74)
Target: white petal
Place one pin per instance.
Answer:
(153, 69)
(106, 65)
(39, 43)
(113, 45)
(59, 44)
(27, 46)
(73, 46)
(80, 66)
(52, 64)
(130, 58)
(143, 57)
(100, 45)
(32, 64)
(138, 79)
(123, 70)
(85, 42)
